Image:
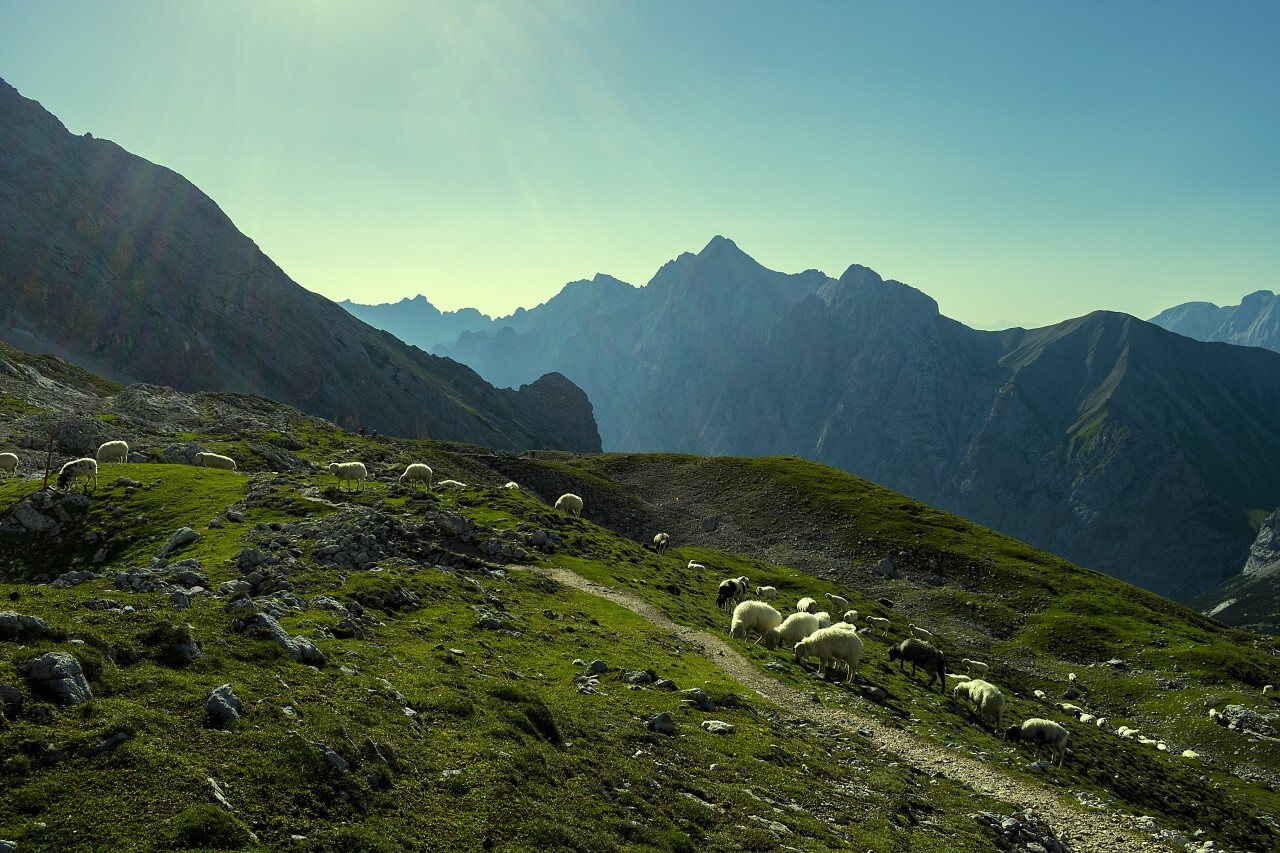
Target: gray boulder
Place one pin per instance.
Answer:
(19, 626)
(59, 674)
(224, 707)
(180, 538)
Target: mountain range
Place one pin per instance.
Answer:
(127, 268)
(1255, 322)
(1105, 439)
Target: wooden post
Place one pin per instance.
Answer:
(48, 460)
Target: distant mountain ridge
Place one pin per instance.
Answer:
(128, 269)
(1255, 322)
(1106, 439)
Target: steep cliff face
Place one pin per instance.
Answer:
(1255, 322)
(127, 268)
(1105, 439)
(1251, 599)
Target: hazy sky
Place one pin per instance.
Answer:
(1021, 162)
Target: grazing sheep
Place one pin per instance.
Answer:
(793, 629)
(570, 503)
(985, 696)
(693, 565)
(113, 451)
(920, 633)
(661, 542)
(831, 644)
(839, 603)
(731, 590)
(880, 623)
(1043, 733)
(349, 472)
(824, 619)
(975, 667)
(766, 593)
(921, 655)
(511, 484)
(806, 605)
(452, 484)
(1087, 718)
(850, 616)
(215, 460)
(8, 463)
(75, 469)
(418, 472)
(753, 616)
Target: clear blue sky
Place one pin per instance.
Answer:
(1021, 162)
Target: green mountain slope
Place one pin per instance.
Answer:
(454, 707)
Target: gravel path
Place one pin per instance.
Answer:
(1087, 831)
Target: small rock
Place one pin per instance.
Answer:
(60, 674)
(663, 724)
(223, 706)
(717, 727)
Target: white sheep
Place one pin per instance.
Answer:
(570, 503)
(511, 484)
(1101, 722)
(349, 472)
(985, 696)
(793, 629)
(839, 603)
(215, 460)
(766, 593)
(753, 616)
(77, 468)
(661, 542)
(417, 472)
(452, 484)
(1268, 689)
(879, 623)
(920, 633)
(112, 451)
(693, 565)
(1041, 695)
(806, 605)
(8, 464)
(850, 616)
(829, 645)
(824, 619)
(975, 667)
(1043, 732)
(1087, 718)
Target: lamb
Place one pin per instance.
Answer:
(511, 484)
(693, 565)
(217, 460)
(453, 484)
(824, 619)
(348, 471)
(661, 542)
(850, 616)
(793, 629)
(985, 696)
(753, 616)
(879, 622)
(839, 604)
(570, 503)
(417, 472)
(112, 451)
(975, 666)
(920, 633)
(766, 593)
(831, 644)
(806, 605)
(8, 463)
(75, 469)
(921, 655)
(1042, 732)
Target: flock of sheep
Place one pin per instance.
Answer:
(811, 632)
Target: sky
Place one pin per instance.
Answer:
(1020, 162)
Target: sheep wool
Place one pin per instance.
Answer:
(879, 623)
(824, 619)
(1044, 733)
(831, 645)
(416, 472)
(113, 451)
(850, 616)
(985, 696)
(661, 542)
(975, 667)
(349, 472)
(8, 463)
(511, 484)
(71, 473)
(753, 617)
(570, 503)
(693, 565)
(806, 605)
(793, 629)
(920, 633)
(839, 603)
(215, 460)
(766, 593)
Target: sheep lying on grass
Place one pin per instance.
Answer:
(511, 484)
(112, 451)
(570, 503)
(349, 472)
(451, 484)
(830, 645)
(1043, 733)
(985, 696)
(8, 464)
(921, 654)
(693, 565)
(75, 469)
(753, 617)
(216, 460)
(793, 629)
(417, 472)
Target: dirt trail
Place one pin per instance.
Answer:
(1089, 831)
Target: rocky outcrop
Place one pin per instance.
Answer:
(1251, 599)
(129, 270)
